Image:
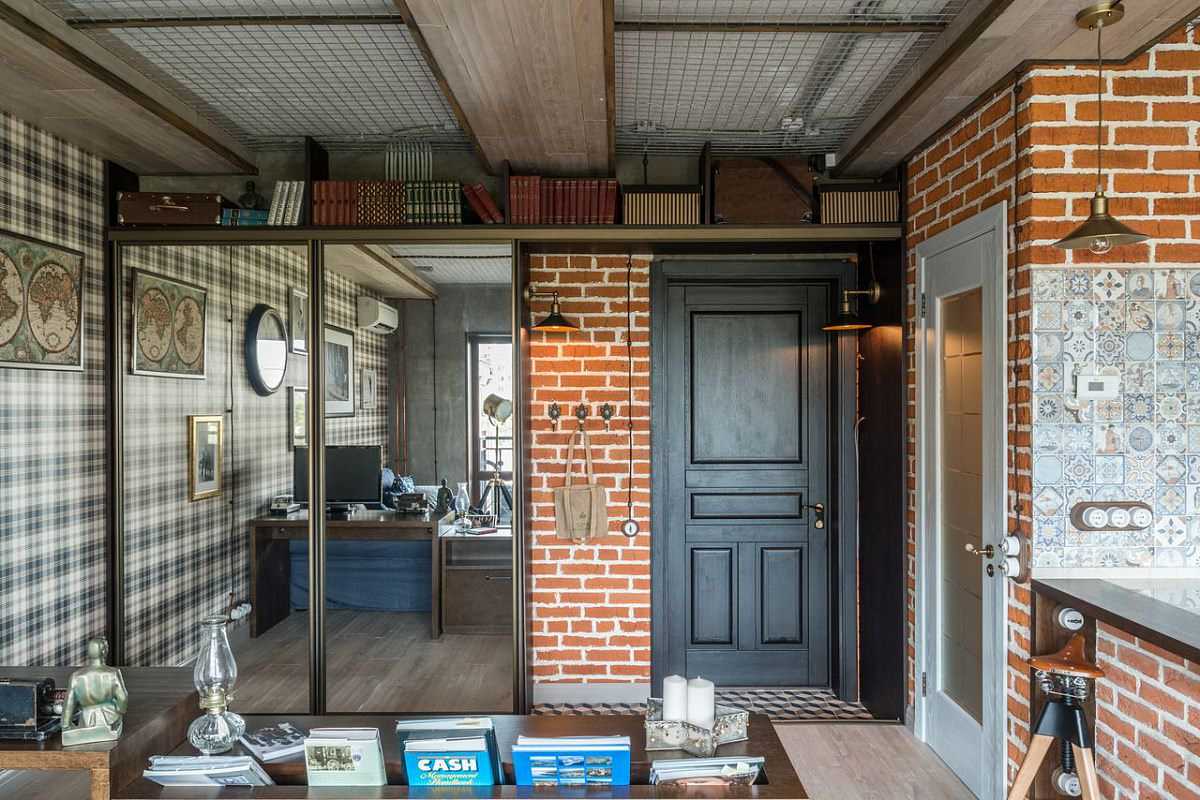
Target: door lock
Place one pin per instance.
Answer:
(987, 552)
(818, 514)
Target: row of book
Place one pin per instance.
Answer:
(394, 203)
(534, 200)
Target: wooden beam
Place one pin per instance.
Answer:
(234, 21)
(865, 28)
(610, 81)
(443, 84)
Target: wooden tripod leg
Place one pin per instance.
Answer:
(1085, 767)
(1029, 767)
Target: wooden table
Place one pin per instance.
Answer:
(271, 563)
(162, 703)
(781, 779)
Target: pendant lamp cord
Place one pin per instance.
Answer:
(629, 362)
(1099, 108)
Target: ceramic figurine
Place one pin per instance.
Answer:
(251, 199)
(98, 693)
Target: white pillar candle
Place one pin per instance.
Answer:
(675, 693)
(701, 703)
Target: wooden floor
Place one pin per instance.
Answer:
(378, 661)
(867, 761)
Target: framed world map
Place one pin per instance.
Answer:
(41, 304)
(169, 327)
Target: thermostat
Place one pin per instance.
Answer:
(1097, 387)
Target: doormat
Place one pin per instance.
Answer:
(781, 705)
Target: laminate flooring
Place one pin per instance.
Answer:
(867, 761)
(380, 661)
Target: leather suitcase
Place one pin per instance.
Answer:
(182, 208)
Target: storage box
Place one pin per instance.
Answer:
(157, 208)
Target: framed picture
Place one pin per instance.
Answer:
(41, 305)
(368, 388)
(298, 410)
(205, 449)
(298, 321)
(170, 325)
(339, 372)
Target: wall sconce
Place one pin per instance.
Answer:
(847, 319)
(554, 322)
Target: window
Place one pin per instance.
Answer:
(490, 362)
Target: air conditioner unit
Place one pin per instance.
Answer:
(377, 316)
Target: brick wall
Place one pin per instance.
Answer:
(589, 606)
(1147, 720)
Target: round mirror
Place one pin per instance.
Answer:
(266, 349)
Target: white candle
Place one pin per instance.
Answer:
(675, 692)
(701, 703)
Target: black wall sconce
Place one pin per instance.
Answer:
(554, 322)
(848, 318)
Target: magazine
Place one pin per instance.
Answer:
(206, 771)
(276, 742)
(572, 761)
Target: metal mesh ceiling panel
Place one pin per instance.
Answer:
(181, 9)
(458, 263)
(791, 91)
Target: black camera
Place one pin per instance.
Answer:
(29, 709)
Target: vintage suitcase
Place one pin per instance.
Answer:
(183, 208)
(762, 191)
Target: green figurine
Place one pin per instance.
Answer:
(98, 693)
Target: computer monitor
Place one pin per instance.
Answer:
(351, 474)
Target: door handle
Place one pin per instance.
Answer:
(818, 514)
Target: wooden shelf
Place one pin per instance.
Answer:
(459, 234)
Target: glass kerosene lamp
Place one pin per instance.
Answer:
(214, 675)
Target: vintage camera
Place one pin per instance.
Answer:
(29, 709)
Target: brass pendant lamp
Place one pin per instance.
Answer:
(1101, 232)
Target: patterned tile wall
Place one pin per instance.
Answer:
(1144, 326)
(52, 459)
(183, 558)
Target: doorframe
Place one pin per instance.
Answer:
(991, 221)
(835, 270)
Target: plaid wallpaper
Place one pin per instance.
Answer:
(184, 558)
(52, 459)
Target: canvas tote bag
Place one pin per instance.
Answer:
(580, 510)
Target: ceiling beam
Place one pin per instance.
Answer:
(610, 81)
(233, 21)
(874, 28)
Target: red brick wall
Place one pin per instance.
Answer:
(1147, 720)
(589, 605)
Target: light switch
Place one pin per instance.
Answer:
(1097, 387)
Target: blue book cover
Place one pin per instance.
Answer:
(448, 762)
(571, 764)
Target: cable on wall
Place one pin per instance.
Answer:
(630, 526)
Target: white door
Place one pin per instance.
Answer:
(961, 616)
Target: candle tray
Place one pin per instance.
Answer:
(731, 726)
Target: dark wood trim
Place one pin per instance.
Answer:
(316, 478)
(398, 391)
(115, 82)
(871, 28)
(610, 81)
(522, 466)
(443, 84)
(316, 168)
(234, 21)
(1168, 626)
(836, 273)
(943, 62)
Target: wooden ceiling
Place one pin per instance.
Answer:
(531, 78)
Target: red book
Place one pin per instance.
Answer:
(560, 203)
(573, 215)
(535, 199)
(522, 201)
(476, 205)
(546, 202)
(489, 205)
(610, 206)
(593, 212)
(509, 201)
(317, 193)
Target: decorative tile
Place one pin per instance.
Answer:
(1193, 377)
(1170, 500)
(1171, 469)
(1046, 283)
(1078, 470)
(1138, 557)
(1110, 316)
(1170, 557)
(1170, 376)
(1169, 346)
(1191, 346)
(1050, 378)
(1193, 469)
(1078, 283)
(1139, 377)
(1077, 494)
(1110, 469)
(1193, 438)
(1077, 439)
(1171, 438)
(1079, 315)
(1169, 407)
(1108, 410)
(1049, 557)
(1048, 502)
(1048, 533)
(1191, 316)
(1141, 439)
(1049, 408)
(1192, 490)
(1139, 284)
(1048, 316)
(1140, 470)
(1108, 284)
(1110, 439)
(1141, 492)
(1047, 470)
(1170, 531)
(1194, 283)
(1139, 346)
(1139, 315)
(1110, 348)
(1169, 315)
(1139, 407)
(1169, 284)
(1047, 347)
(1108, 492)
(1079, 346)
(1047, 438)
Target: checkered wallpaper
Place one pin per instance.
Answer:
(52, 423)
(184, 558)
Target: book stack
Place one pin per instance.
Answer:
(433, 202)
(571, 761)
(481, 202)
(206, 771)
(335, 203)
(449, 751)
(275, 743)
(244, 216)
(286, 203)
(682, 772)
(380, 203)
(344, 757)
(534, 200)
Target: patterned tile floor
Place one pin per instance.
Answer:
(781, 705)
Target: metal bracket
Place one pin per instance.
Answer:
(554, 413)
(581, 414)
(607, 412)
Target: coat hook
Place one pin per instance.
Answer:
(555, 412)
(607, 412)
(581, 413)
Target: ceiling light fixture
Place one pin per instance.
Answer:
(1101, 232)
(554, 322)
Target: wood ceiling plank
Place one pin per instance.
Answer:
(529, 75)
